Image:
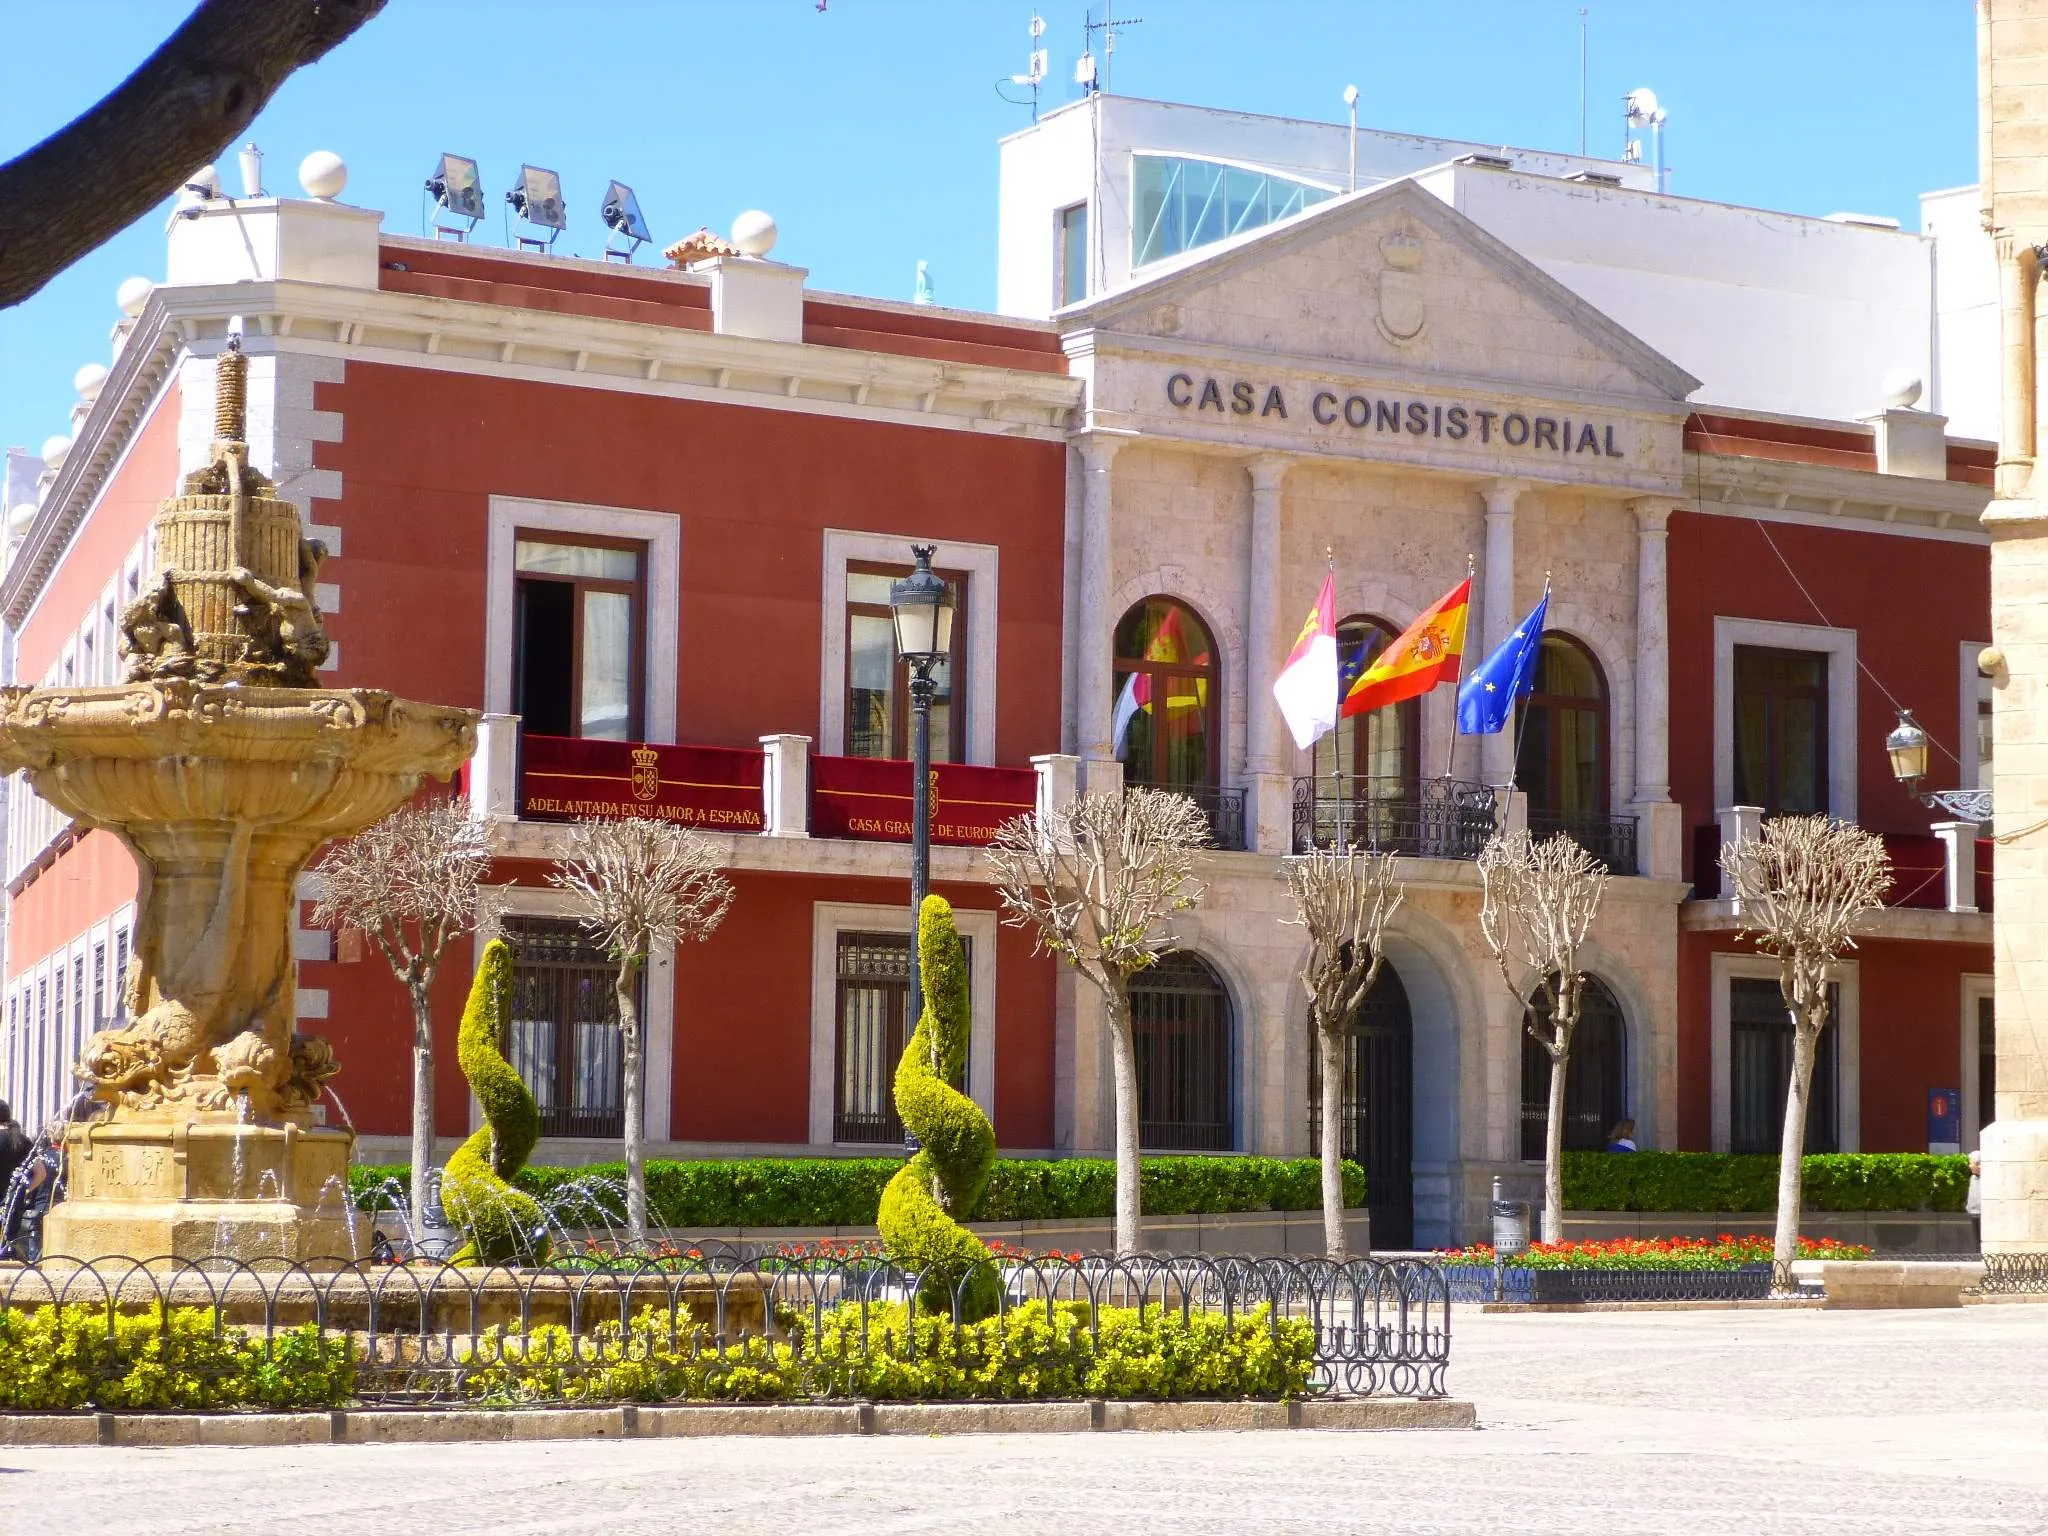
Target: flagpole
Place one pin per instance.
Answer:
(1522, 724)
(1451, 751)
(1336, 747)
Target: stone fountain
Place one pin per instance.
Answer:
(222, 766)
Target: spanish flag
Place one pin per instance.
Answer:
(1424, 654)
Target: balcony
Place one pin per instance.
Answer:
(1223, 809)
(1933, 873)
(1610, 839)
(1435, 819)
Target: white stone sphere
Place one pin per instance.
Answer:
(54, 451)
(88, 380)
(1901, 388)
(323, 174)
(19, 516)
(754, 232)
(133, 294)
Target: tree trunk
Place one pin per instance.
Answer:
(1553, 1151)
(1330, 1043)
(422, 1100)
(1123, 1053)
(1790, 1152)
(629, 1065)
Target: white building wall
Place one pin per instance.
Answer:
(1964, 386)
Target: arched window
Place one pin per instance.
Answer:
(1596, 1075)
(1379, 1105)
(1167, 723)
(1561, 764)
(1366, 770)
(1181, 1024)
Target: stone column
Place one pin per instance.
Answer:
(1496, 613)
(1265, 781)
(1095, 625)
(1659, 833)
(494, 770)
(2018, 274)
(1959, 863)
(2015, 1144)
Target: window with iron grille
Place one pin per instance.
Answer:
(1595, 1080)
(873, 1005)
(1181, 1025)
(564, 1036)
(1760, 1069)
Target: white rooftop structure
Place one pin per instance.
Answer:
(1781, 314)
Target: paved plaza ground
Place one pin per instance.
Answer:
(1595, 1424)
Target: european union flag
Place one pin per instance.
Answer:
(1486, 698)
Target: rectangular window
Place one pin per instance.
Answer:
(873, 1007)
(1987, 1063)
(120, 1008)
(77, 1006)
(1781, 730)
(1760, 1069)
(579, 623)
(99, 985)
(878, 684)
(564, 1039)
(1070, 255)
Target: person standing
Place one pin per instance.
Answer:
(15, 1147)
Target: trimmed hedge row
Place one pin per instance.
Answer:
(1721, 1181)
(846, 1191)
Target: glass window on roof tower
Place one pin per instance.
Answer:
(1179, 205)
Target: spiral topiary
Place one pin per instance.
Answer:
(502, 1222)
(956, 1146)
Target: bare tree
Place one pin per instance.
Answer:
(1344, 898)
(181, 107)
(1800, 890)
(1538, 902)
(411, 884)
(1091, 880)
(640, 888)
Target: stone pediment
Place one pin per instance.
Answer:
(1390, 281)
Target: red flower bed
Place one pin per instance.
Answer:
(1724, 1252)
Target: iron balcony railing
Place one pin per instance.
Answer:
(1433, 819)
(1610, 839)
(1224, 809)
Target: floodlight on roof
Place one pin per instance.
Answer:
(537, 198)
(620, 211)
(457, 191)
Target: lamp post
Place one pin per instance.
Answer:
(1907, 747)
(922, 606)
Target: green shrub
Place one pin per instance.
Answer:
(1720, 1181)
(918, 1216)
(1032, 1352)
(68, 1357)
(501, 1220)
(845, 1191)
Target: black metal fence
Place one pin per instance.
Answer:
(720, 1322)
(1433, 819)
(1610, 839)
(2015, 1274)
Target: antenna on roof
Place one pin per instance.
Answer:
(1084, 68)
(1034, 68)
(1640, 111)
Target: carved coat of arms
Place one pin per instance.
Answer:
(1401, 315)
(646, 774)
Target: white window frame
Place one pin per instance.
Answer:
(657, 1026)
(1972, 689)
(1839, 646)
(829, 919)
(661, 532)
(1974, 989)
(1729, 967)
(980, 561)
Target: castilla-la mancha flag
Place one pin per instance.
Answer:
(1306, 688)
(1422, 655)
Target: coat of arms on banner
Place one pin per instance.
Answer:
(1401, 314)
(646, 773)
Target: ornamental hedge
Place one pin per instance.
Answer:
(79, 1356)
(847, 1191)
(1721, 1181)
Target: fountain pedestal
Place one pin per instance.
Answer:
(222, 769)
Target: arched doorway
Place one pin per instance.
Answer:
(1182, 1027)
(1595, 1081)
(1379, 1105)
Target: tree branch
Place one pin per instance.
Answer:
(183, 106)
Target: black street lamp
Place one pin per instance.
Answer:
(922, 606)
(1907, 746)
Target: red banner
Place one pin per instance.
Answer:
(715, 788)
(869, 797)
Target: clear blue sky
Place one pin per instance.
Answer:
(869, 129)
